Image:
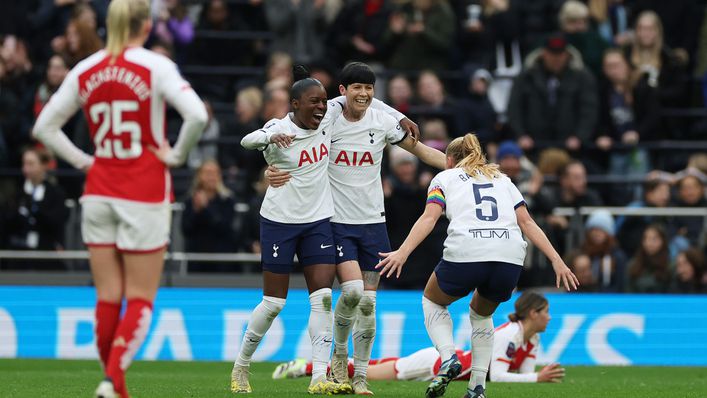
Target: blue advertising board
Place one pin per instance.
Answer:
(208, 324)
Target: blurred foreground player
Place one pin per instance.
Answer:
(126, 202)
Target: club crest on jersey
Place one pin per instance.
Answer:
(511, 350)
(354, 158)
(316, 155)
(371, 134)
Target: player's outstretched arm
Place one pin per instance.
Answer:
(428, 155)
(272, 133)
(393, 262)
(527, 225)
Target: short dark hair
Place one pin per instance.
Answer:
(357, 72)
(303, 81)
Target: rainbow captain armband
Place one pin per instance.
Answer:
(435, 195)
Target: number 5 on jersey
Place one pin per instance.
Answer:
(480, 201)
(110, 117)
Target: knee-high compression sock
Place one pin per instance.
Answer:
(481, 347)
(439, 326)
(107, 320)
(345, 314)
(258, 325)
(128, 338)
(364, 332)
(320, 331)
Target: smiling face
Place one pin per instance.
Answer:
(358, 96)
(310, 107)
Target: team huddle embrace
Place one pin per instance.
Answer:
(324, 204)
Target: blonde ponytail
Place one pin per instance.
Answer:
(466, 153)
(124, 21)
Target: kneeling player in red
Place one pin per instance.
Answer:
(515, 348)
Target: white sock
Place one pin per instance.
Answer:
(320, 331)
(439, 326)
(258, 325)
(345, 313)
(481, 347)
(364, 332)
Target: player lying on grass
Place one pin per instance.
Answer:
(515, 348)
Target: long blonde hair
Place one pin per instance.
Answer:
(648, 55)
(467, 154)
(196, 184)
(124, 21)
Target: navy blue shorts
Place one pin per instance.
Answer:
(312, 242)
(360, 242)
(495, 280)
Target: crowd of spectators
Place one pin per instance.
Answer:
(559, 91)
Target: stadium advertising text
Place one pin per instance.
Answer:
(208, 324)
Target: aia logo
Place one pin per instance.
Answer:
(354, 158)
(316, 155)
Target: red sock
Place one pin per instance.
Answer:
(351, 369)
(308, 369)
(128, 338)
(107, 319)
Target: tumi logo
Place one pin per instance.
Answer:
(354, 158)
(490, 233)
(316, 155)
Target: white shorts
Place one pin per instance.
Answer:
(418, 366)
(130, 227)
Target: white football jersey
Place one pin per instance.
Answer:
(355, 165)
(482, 218)
(307, 196)
(513, 359)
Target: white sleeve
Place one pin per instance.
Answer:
(376, 104)
(516, 196)
(394, 134)
(178, 93)
(47, 129)
(260, 138)
(382, 106)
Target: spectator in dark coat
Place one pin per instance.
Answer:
(689, 271)
(358, 31)
(691, 194)
(608, 262)
(571, 192)
(207, 221)
(481, 115)
(649, 54)
(299, 27)
(629, 114)
(656, 194)
(421, 35)
(574, 22)
(552, 101)
(40, 213)
(649, 271)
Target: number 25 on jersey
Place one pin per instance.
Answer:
(110, 117)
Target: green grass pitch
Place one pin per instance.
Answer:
(68, 378)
